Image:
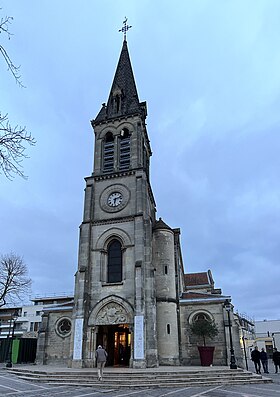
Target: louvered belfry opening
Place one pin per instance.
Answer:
(108, 153)
(124, 155)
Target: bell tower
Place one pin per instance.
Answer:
(115, 298)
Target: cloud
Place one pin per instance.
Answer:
(210, 75)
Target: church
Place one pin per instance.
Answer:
(132, 295)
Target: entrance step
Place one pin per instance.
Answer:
(126, 377)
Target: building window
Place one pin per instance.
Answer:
(18, 327)
(24, 314)
(63, 327)
(114, 262)
(165, 269)
(168, 329)
(108, 153)
(201, 317)
(38, 313)
(124, 150)
(146, 161)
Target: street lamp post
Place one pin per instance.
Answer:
(9, 362)
(232, 356)
(244, 348)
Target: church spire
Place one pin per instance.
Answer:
(123, 98)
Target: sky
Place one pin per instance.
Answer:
(209, 71)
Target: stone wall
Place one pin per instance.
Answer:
(190, 354)
(167, 326)
(54, 342)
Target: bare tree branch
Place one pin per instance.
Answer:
(12, 147)
(4, 28)
(13, 140)
(14, 280)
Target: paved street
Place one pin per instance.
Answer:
(11, 386)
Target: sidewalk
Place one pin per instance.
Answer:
(275, 377)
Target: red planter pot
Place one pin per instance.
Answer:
(206, 355)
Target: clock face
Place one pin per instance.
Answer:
(115, 199)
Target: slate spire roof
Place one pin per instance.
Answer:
(160, 224)
(123, 98)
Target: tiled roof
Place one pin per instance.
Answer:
(192, 279)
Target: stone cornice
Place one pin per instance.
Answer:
(197, 301)
(112, 176)
(173, 300)
(115, 220)
(114, 119)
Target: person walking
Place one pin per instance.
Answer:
(101, 357)
(264, 360)
(255, 356)
(276, 359)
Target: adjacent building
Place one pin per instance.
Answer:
(22, 324)
(268, 335)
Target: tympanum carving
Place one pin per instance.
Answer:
(112, 313)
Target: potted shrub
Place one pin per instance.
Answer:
(205, 328)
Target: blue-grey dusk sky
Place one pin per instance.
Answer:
(209, 71)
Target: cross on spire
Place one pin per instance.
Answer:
(125, 28)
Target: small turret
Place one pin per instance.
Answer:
(165, 274)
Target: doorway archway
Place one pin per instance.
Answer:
(112, 318)
(116, 339)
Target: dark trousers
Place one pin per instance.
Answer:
(258, 366)
(265, 366)
(276, 367)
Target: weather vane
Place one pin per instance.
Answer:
(125, 28)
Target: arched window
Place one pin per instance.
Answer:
(116, 101)
(124, 150)
(201, 317)
(108, 153)
(114, 262)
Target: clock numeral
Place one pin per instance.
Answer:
(114, 199)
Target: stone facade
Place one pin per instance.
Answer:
(190, 355)
(54, 338)
(131, 294)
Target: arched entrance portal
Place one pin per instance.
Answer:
(117, 341)
(112, 320)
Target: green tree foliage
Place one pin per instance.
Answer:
(204, 328)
